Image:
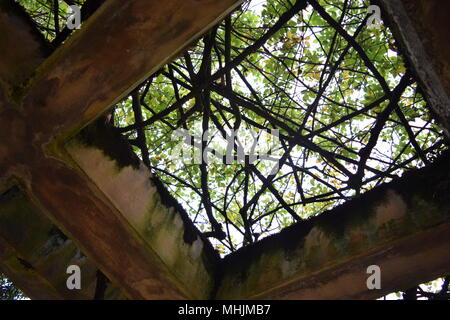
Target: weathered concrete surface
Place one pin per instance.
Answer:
(158, 220)
(35, 254)
(77, 83)
(22, 47)
(403, 227)
(115, 50)
(422, 28)
(121, 44)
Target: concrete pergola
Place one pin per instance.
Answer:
(59, 170)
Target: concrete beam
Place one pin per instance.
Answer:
(23, 47)
(35, 254)
(115, 50)
(118, 47)
(403, 227)
(158, 222)
(422, 29)
(90, 201)
(17, 65)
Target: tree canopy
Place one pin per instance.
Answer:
(349, 113)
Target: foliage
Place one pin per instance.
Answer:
(8, 291)
(438, 289)
(50, 16)
(348, 110)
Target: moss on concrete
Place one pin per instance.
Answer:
(39, 252)
(20, 221)
(417, 200)
(163, 223)
(169, 231)
(110, 142)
